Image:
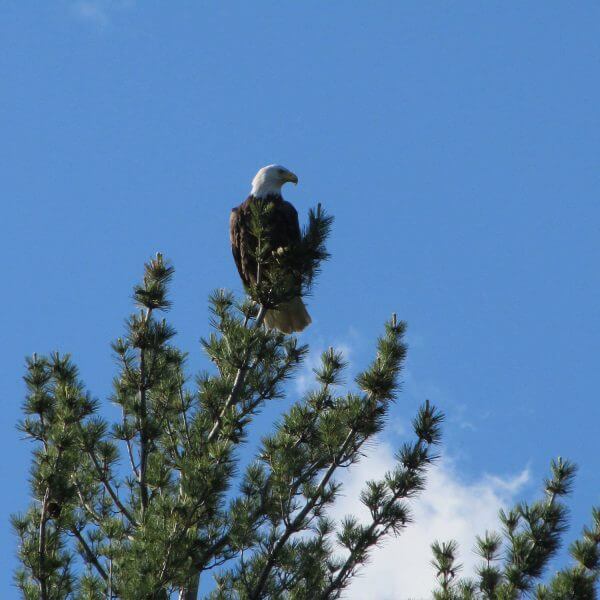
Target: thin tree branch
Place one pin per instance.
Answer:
(183, 413)
(42, 547)
(130, 450)
(104, 480)
(296, 523)
(190, 591)
(93, 514)
(238, 383)
(143, 423)
(174, 449)
(91, 557)
(143, 433)
(334, 589)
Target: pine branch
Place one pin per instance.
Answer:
(184, 415)
(96, 518)
(105, 481)
(207, 554)
(387, 513)
(533, 533)
(130, 450)
(89, 554)
(190, 592)
(42, 547)
(579, 581)
(379, 383)
(296, 524)
(143, 428)
(238, 382)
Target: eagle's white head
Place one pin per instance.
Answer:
(270, 179)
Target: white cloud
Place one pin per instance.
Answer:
(305, 379)
(450, 508)
(98, 12)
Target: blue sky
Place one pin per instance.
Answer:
(457, 145)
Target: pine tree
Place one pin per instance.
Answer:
(145, 507)
(513, 563)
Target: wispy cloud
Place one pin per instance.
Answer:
(459, 414)
(99, 12)
(450, 508)
(305, 379)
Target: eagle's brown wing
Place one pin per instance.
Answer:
(282, 231)
(242, 241)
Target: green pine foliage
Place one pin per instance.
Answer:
(148, 506)
(145, 507)
(513, 562)
(284, 273)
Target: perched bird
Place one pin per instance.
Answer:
(283, 232)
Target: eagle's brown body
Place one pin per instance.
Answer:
(282, 231)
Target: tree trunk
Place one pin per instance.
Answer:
(190, 592)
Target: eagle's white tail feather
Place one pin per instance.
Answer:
(289, 317)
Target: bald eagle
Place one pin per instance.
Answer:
(283, 232)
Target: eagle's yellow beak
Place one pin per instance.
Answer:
(291, 177)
